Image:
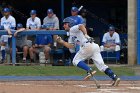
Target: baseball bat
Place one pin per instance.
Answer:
(80, 8)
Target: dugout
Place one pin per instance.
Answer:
(121, 13)
(100, 14)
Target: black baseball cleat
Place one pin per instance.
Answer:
(116, 82)
(89, 74)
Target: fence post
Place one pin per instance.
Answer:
(138, 32)
(13, 50)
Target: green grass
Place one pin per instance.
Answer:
(56, 71)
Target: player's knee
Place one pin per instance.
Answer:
(47, 49)
(25, 48)
(117, 48)
(75, 62)
(102, 67)
(31, 49)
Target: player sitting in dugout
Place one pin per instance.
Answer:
(51, 22)
(111, 41)
(42, 44)
(22, 44)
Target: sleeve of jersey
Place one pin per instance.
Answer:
(74, 29)
(13, 23)
(81, 20)
(117, 40)
(39, 23)
(104, 39)
(1, 22)
(56, 25)
(44, 21)
(27, 23)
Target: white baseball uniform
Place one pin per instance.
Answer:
(33, 24)
(115, 39)
(87, 50)
(8, 24)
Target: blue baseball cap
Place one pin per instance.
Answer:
(1, 27)
(49, 11)
(74, 9)
(111, 28)
(33, 12)
(6, 10)
(19, 25)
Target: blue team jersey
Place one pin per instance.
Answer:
(78, 19)
(43, 39)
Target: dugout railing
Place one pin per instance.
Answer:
(29, 32)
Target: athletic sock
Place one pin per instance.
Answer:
(84, 66)
(110, 73)
(24, 58)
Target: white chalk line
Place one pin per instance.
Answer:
(15, 84)
(107, 85)
(138, 88)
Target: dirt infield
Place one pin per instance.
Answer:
(67, 87)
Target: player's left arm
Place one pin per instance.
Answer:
(56, 25)
(117, 39)
(9, 31)
(13, 23)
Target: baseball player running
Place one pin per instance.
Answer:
(89, 49)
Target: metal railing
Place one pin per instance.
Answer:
(29, 32)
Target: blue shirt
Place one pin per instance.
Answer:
(78, 19)
(43, 39)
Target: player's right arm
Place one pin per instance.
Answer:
(66, 44)
(20, 30)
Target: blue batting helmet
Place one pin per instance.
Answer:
(6, 10)
(19, 25)
(74, 9)
(49, 11)
(70, 21)
(111, 28)
(33, 12)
